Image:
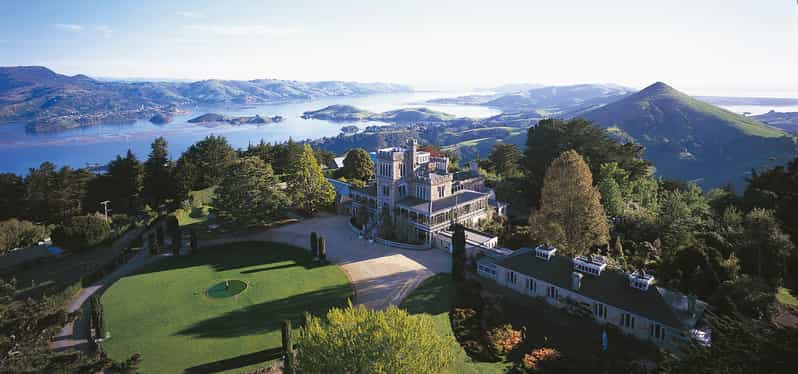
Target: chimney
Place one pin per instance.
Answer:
(576, 280)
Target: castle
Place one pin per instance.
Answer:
(421, 196)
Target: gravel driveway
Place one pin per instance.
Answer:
(381, 275)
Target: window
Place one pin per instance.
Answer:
(600, 310)
(386, 190)
(511, 277)
(531, 285)
(402, 190)
(655, 330)
(552, 292)
(627, 320)
(440, 191)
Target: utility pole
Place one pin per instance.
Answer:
(105, 204)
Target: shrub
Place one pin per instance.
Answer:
(540, 359)
(17, 234)
(81, 232)
(358, 340)
(322, 248)
(503, 339)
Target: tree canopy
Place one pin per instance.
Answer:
(551, 137)
(249, 192)
(570, 215)
(358, 340)
(309, 189)
(204, 163)
(357, 166)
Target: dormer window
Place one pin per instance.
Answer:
(545, 252)
(592, 265)
(641, 280)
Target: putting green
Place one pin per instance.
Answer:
(227, 288)
(170, 311)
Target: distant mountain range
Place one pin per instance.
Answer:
(784, 121)
(48, 101)
(684, 138)
(546, 101)
(688, 139)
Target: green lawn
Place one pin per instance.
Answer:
(785, 296)
(434, 298)
(164, 313)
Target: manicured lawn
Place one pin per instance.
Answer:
(164, 312)
(434, 298)
(785, 296)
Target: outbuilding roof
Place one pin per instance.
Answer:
(611, 288)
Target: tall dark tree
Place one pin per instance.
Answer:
(551, 137)
(53, 196)
(159, 183)
(121, 186)
(766, 248)
(505, 158)
(288, 348)
(458, 253)
(12, 196)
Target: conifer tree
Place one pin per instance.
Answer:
(611, 198)
(322, 248)
(571, 216)
(458, 253)
(310, 190)
(249, 192)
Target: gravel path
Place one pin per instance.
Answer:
(381, 275)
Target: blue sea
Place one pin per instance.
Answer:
(21, 150)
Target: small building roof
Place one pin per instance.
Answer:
(611, 288)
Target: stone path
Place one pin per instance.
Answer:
(381, 275)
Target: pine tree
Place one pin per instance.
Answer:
(310, 190)
(159, 183)
(458, 253)
(571, 216)
(288, 348)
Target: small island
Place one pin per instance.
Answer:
(242, 120)
(350, 129)
(161, 119)
(348, 113)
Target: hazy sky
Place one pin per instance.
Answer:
(734, 47)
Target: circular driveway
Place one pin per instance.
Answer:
(380, 275)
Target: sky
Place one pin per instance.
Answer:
(703, 47)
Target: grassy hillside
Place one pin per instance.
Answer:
(689, 139)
